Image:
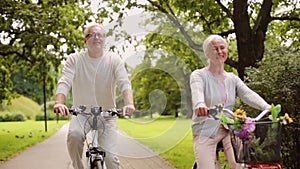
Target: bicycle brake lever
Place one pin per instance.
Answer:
(113, 113)
(73, 112)
(213, 113)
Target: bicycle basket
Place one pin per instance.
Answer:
(265, 146)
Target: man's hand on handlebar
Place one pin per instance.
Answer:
(128, 110)
(62, 109)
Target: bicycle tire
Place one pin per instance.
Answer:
(195, 165)
(96, 164)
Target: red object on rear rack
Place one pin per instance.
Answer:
(264, 166)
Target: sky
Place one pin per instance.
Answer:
(131, 25)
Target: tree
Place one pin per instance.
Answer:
(277, 80)
(156, 88)
(249, 25)
(36, 36)
(27, 86)
(248, 21)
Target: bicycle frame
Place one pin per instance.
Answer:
(95, 156)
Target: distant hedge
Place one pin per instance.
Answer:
(50, 116)
(5, 117)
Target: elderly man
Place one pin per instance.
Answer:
(93, 75)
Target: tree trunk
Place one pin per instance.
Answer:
(250, 41)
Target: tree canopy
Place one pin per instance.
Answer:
(35, 36)
(250, 23)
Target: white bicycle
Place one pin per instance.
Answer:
(95, 156)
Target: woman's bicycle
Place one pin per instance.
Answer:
(94, 154)
(261, 150)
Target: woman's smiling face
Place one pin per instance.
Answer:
(218, 51)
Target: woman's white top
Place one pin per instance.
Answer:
(207, 90)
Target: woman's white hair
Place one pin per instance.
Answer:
(209, 39)
(90, 25)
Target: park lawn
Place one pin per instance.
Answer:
(170, 137)
(17, 136)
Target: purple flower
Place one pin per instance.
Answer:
(244, 135)
(249, 125)
(246, 132)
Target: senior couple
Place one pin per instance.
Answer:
(93, 74)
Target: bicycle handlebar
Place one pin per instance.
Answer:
(97, 111)
(213, 112)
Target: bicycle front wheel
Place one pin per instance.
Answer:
(96, 164)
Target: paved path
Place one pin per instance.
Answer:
(52, 154)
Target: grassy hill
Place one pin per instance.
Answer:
(22, 105)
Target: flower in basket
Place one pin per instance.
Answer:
(246, 132)
(275, 110)
(244, 126)
(286, 119)
(239, 118)
(259, 139)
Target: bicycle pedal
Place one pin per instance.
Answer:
(102, 153)
(87, 154)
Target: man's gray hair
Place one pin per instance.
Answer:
(90, 25)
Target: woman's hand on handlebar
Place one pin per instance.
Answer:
(201, 111)
(62, 109)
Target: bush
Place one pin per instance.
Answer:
(277, 81)
(19, 117)
(50, 116)
(5, 117)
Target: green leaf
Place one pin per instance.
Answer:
(275, 110)
(237, 124)
(226, 120)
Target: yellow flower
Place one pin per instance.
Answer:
(287, 117)
(240, 114)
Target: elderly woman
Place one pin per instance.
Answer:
(211, 86)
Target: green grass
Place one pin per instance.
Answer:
(12, 133)
(17, 136)
(171, 138)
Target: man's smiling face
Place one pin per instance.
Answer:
(95, 39)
